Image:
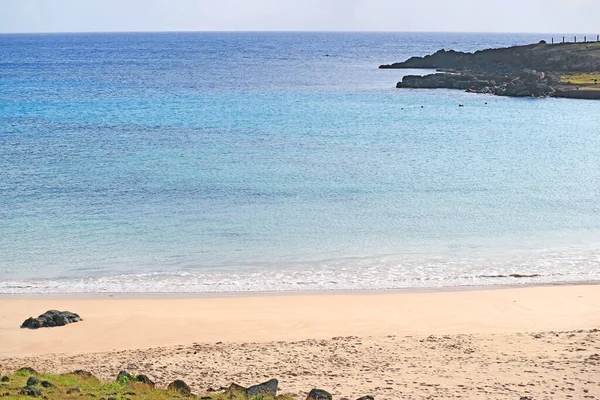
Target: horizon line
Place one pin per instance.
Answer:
(289, 31)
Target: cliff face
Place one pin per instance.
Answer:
(520, 71)
(568, 57)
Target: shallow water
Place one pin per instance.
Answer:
(216, 162)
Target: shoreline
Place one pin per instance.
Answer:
(284, 293)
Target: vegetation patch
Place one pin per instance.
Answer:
(25, 385)
(586, 79)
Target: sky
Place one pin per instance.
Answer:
(551, 16)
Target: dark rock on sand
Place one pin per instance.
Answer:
(28, 370)
(180, 386)
(267, 388)
(319, 394)
(367, 398)
(33, 381)
(145, 380)
(31, 391)
(74, 390)
(50, 319)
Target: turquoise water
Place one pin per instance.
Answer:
(285, 161)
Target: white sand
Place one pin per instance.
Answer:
(483, 340)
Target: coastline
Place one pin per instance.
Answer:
(286, 293)
(562, 70)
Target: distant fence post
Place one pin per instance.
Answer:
(563, 39)
(575, 39)
(585, 39)
(597, 38)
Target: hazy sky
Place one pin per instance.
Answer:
(557, 16)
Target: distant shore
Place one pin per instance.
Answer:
(567, 70)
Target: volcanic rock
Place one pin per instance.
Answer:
(180, 386)
(50, 319)
(319, 394)
(267, 388)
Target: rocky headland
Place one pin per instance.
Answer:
(537, 70)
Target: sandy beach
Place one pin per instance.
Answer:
(540, 342)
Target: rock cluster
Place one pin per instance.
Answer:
(268, 389)
(50, 319)
(527, 83)
(32, 387)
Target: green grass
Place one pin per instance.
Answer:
(93, 389)
(589, 79)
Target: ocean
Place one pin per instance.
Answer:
(269, 162)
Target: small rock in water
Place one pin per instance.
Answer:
(50, 319)
(267, 388)
(319, 394)
(33, 381)
(180, 386)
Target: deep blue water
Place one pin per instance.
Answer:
(203, 162)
